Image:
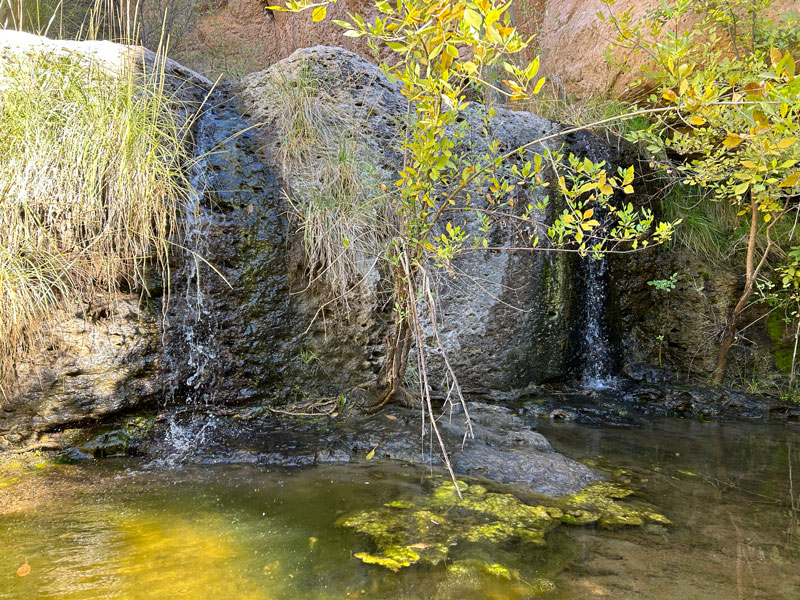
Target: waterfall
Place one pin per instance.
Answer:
(193, 363)
(597, 359)
(226, 321)
(198, 323)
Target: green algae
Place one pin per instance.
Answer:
(116, 441)
(424, 529)
(393, 558)
(470, 569)
(598, 503)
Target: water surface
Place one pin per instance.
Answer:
(118, 529)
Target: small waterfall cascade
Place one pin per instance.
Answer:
(190, 427)
(596, 353)
(229, 306)
(198, 326)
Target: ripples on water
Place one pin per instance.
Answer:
(115, 530)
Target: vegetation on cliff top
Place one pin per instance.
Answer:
(735, 132)
(93, 183)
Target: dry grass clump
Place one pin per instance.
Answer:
(92, 184)
(334, 189)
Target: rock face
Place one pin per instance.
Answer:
(236, 330)
(94, 366)
(504, 317)
(679, 330)
(569, 24)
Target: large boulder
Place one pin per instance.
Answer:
(504, 317)
(99, 360)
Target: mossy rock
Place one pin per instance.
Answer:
(425, 528)
(117, 441)
(598, 503)
(471, 570)
(393, 558)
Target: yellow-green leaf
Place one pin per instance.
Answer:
(532, 69)
(786, 142)
(473, 18)
(741, 188)
(775, 56)
(318, 14)
(371, 454)
(761, 119)
(790, 181)
(670, 95)
(732, 140)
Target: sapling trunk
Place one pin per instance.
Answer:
(752, 270)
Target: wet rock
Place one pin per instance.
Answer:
(505, 448)
(630, 404)
(92, 371)
(642, 373)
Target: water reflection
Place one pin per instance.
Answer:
(729, 487)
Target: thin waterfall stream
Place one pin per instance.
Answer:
(597, 357)
(189, 427)
(226, 320)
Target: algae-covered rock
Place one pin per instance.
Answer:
(118, 441)
(470, 571)
(598, 503)
(424, 529)
(393, 558)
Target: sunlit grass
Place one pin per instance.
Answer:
(92, 184)
(334, 189)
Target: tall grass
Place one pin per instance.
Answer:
(333, 187)
(92, 184)
(708, 226)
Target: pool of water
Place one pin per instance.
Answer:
(732, 489)
(120, 529)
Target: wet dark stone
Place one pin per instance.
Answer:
(505, 449)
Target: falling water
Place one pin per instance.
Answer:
(188, 429)
(598, 362)
(232, 282)
(199, 325)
